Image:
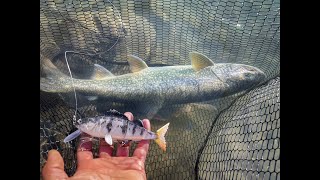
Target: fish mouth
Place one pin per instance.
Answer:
(261, 74)
(254, 70)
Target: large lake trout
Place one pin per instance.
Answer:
(155, 87)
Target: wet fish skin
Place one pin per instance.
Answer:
(157, 86)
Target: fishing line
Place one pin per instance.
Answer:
(74, 89)
(89, 54)
(121, 30)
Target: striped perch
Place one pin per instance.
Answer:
(115, 127)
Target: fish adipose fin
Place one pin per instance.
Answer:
(161, 141)
(72, 136)
(136, 63)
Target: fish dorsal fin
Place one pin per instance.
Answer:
(138, 122)
(199, 61)
(136, 63)
(100, 73)
(113, 112)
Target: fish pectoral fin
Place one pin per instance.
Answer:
(199, 61)
(72, 136)
(136, 63)
(100, 73)
(92, 98)
(149, 109)
(108, 139)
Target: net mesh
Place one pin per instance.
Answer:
(235, 137)
(245, 140)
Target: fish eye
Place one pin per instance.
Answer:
(250, 69)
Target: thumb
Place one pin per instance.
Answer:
(54, 167)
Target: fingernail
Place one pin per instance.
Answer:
(129, 115)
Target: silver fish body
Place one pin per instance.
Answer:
(152, 88)
(116, 126)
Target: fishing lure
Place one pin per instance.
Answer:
(116, 127)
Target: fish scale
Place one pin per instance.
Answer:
(152, 88)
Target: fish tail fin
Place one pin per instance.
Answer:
(161, 141)
(54, 80)
(50, 69)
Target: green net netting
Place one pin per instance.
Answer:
(233, 137)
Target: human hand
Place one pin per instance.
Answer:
(105, 167)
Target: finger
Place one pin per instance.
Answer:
(54, 167)
(123, 151)
(129, 115)
(143, 146)
(84, 151)
(146, 124)
(126, 163)
(85, 143)
(105, 150)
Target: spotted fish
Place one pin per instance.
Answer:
(151, 88)
(115, 127)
